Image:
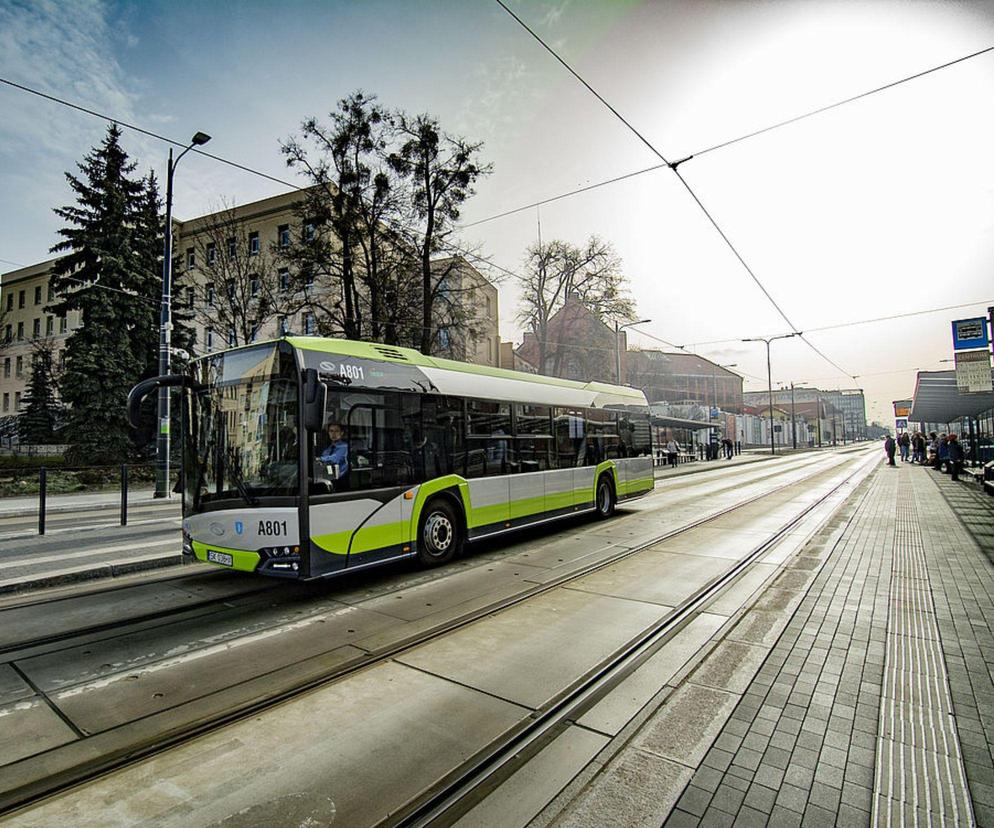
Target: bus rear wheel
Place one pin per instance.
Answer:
(440, 533)
(605, 499)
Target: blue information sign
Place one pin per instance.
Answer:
(970, 333)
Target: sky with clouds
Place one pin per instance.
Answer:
(880, 207)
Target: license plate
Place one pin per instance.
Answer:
(222, 558)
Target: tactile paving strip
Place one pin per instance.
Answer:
(920, 778)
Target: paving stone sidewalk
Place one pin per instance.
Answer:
(876, 704)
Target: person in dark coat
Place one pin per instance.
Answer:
(890, 446)
(955, 456)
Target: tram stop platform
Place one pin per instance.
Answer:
(857, 690)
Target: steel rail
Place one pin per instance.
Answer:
(26, 793)
(482, 769)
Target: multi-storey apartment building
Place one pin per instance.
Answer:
(254, 234)
(24, 295)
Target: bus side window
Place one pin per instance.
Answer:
(533, 437)
(488, 449)
(440, 448)
(570, 438)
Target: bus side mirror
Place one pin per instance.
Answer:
(146, 387)
(314, 398)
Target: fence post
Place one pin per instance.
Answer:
(42, 492)
(124, 494)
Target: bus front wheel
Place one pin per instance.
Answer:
(440, 535)
(605, 497)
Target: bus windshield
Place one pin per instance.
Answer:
(241, 438)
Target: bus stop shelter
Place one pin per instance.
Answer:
(938, 400)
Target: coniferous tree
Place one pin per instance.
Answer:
(37, 423)
(103, 276)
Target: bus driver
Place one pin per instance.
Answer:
(336, 453)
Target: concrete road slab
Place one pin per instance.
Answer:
(12, 686)
(461, 587)
(635, 790)
(533, 786)
(732, 598)
(531, 652)
(715, 543)
(665, 578)
(349, 754)
(103, 684)
(687, 725)
(49, 618)
(29, 726)
(621, 705)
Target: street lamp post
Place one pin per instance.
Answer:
(165, 325)
(769, 375)
(617, 345)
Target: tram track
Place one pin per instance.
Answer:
(39, 776)
(453, 798)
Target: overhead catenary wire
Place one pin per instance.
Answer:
(674, 166)
(753, 134)
(843, 102)
(852, 323)
(236, 165)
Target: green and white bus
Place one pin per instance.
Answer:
(308, 457)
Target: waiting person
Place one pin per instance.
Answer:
(933, 447)
(918, 448)
(729, 447)
(890, 446)
(672, 450)
(943, 456)
(955, 456)
(336, 453)
(904, 443)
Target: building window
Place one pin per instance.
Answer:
(443, 339)
(254, 243)
(191, 258)
(284, 276)
(6, 368)
(211, 253)
(20, 331)
(255, 332)
(190, 297)
(49, 325)
(229, 289)
(63, 324)
(231, 335)
(210, 294)
(37, 294)
(20, 299)
(50, 292)
(19, 370)
(36, 328)
(10, 301)
(309, 324)
(8, 334)
(487, 305)
(283, 236)
(282, 326)
(231, 248)
(176, 264)
(309, 277)
(209, 335)
(62, 360)
(310, 231)
(17, 400)
(6, 402)
(254, 285)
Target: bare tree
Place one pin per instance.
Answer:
(440, 171)
(352, 256)
(558, 270)
(240, 289)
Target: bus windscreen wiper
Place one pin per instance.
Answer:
(243, 490)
